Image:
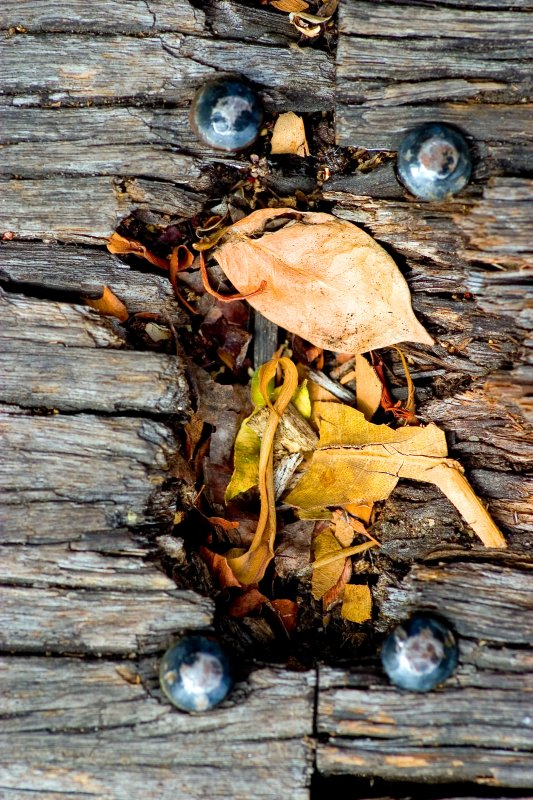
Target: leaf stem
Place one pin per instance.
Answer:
(344, 552)
(455, 486)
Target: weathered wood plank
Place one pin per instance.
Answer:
(97, 717)
(102, 16)
(400, 66)
(133, 142)
(81, 209)
(102, 621)
(478, 726)
(169, 67)
(498, 228)
(59, 356)
(62, 474)
(51, 268)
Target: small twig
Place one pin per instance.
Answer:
(346, 552)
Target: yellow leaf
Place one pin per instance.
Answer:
(257, 397)
(301, 400)
(368, 387)
(345, 283)
(344, 532)
(288, 136)
(358, 462)
(357, 603)
(246, 462)
(324, 578)
(362, 511)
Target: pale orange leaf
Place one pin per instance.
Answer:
(288, 136)
(345, 283)
(109, 305)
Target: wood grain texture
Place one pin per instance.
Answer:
(102, 16)
(111, 734)
(68, 68)
(105, 141)
(59, 356)
(81, 209)
(467, 64)
(63, 473)
(57, 620)
(37, 267)
(478, 726)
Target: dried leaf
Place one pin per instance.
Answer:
(336, 592)
(368, 387)
(288, 136)
(225, 524)
(293, 548)
(246, 462)
(309, 25)
(119, 245)
(246, 603)
(324, 578)
(362, 511)
(409, 405)
(109, 305)
(358, 462)
(289, 5)
(219, 568)
(157, 333)
(328, 8)
(287, 611)
(357, 603)
(345, 283)
(344, 532)
(181, 259)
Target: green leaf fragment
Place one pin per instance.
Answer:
(301, 400)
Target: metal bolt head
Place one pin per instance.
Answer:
(434, 161)
(420, 653)
(227, 114)
(195, 674)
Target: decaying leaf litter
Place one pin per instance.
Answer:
(254, 455)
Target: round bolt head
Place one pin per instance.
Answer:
(226, 113)
(195, 674)
(420, 653)
(434, 161)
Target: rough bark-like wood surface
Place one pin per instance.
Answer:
(37, 267)
(59, 355)
(75, 729)
(401, 65)
(478, 726)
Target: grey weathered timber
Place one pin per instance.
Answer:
(83, 209)
(102, 16)
(64, 68)
(102, 729)
(62, 154)
(478, 726)
(402, 65)
(104, 141)
(40, 619)
(37, 267)
(94, 121)
(63, 473)
(60, 355)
